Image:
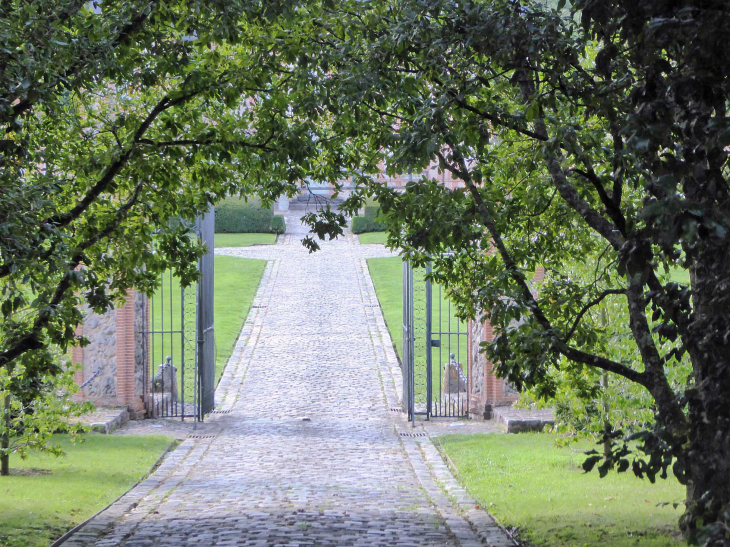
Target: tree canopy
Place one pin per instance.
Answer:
(591, 138)
(117, 119)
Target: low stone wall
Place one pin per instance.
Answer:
(521, 420)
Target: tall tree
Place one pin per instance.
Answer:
(591, 141)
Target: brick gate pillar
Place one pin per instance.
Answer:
(486, 390)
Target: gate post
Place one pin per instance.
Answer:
(206, 334)
(405, 361)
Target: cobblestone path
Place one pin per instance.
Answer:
(304, 447)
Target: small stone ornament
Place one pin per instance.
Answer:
(454, 378)
(165, 381)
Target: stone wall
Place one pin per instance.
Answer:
(118, 354)
(100, 354)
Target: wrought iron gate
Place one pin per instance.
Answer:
(435, 356)
(178, 341)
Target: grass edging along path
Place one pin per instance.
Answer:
(243, 240)
(387, 274)
(525, 481)
(236, 282)
(46, 496)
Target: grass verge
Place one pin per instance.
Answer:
(527, 482)
(236, 282)
(46, 496)
(243, 240)
(372, 238)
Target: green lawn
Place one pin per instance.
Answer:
(46, 496)
(525, 481)
(243, 240)
(236, 281)
(371, 238)
(387, 276)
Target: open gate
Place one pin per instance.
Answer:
(435, 355)
(178, 340)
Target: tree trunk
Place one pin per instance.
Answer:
(708, 457)
(708, 489)
(5, 439)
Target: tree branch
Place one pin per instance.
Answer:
(614, 212)
(588, 306)
(496, 120)
(196, 142)
(113, 170)
(31, 340)
(559, 345)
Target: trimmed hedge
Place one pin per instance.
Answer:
(361, 225)
(235, 216)
(278, 225)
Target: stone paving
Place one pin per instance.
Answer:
(305, 447)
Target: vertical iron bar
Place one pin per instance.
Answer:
(411, 342)
(199, 357)
(467, 374)
(172, 348)
(429, 350)
(448, 377)
(457, 409)
(441, 351)
(152, 355)
(182, 351)
(405, 333)
(196, 383)
(162, 314)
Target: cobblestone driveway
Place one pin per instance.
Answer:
(304, 448)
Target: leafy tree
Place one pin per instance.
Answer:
(116, 118)
(595, 135)
(27, 425)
